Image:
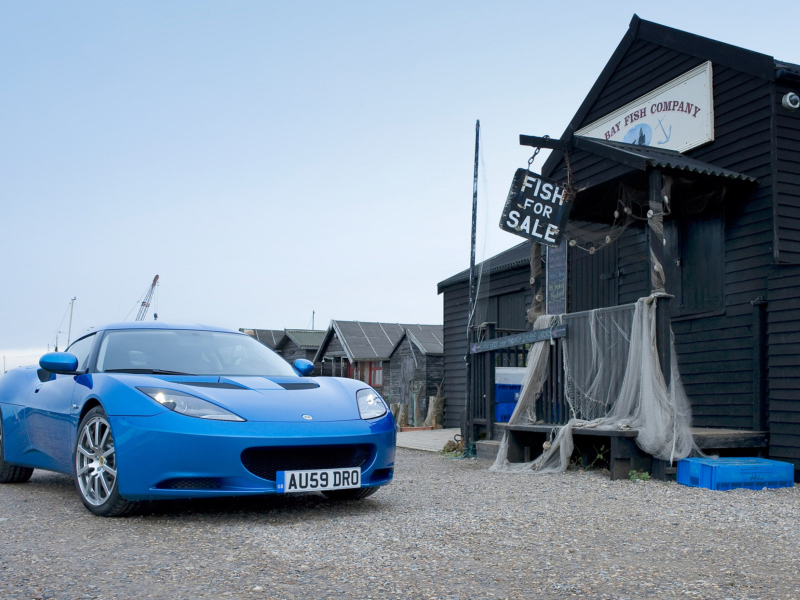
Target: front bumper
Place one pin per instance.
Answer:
(152, 452)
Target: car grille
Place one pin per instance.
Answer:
(190, 483)
(265, 462)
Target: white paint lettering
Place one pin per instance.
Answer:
(537, 208)
(547, 211)
(526, 225)
(535, 228)
(547, 191)
(513, 219)
(552, 230)
(558, 196)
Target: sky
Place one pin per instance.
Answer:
(270, 159)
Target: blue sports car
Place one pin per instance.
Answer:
(138, 411)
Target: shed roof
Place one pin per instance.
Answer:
(307, 339)
(517, 256)
(429, 339)
(268, 337)
(367, 340)
(641, 157)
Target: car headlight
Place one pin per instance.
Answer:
(370, 405)
(189, 405)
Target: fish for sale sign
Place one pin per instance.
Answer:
(537, 208)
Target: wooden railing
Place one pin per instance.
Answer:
(492, 347)
(489, 349)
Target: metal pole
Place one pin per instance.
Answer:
(474, 222)
(467, 435)
(71, 307)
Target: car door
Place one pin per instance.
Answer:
(47, 414)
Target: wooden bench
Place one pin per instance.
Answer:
(525, 443)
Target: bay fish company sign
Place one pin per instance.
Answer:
(679, 115)
(537, 208)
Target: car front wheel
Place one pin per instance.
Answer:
(96, 467)
(11, 473)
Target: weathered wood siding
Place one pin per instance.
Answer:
(783, 356)
(787, 124)
(511, 289)
(783, 307)
(292, 352)
(398, 388)
(335, 350)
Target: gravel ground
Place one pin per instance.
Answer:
(444, 528)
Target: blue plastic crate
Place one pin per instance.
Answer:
(503, 410)
(735, 473)
(506, 392)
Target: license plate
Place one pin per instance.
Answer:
(318, 480)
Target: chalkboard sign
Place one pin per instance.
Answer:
(556, 280)
(536, 208)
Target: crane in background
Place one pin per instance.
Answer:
(146, 302)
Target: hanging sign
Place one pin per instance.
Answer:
(556, 280)
(679, 115)
(537, 208)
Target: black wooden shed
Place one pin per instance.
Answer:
(268, 337)
(730, 252)
(415, 365)
(301, 343)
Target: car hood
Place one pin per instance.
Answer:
(274, 399)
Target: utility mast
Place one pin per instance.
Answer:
(71, 308)
(146, 302)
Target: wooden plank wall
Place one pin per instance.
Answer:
(783, 358)
(788, 177)
(783, 308)
(715, 351)
(456, 308)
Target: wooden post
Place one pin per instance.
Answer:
(759, 365)
(468, 425)
(489, 389)
(658, 259)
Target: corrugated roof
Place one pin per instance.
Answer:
(308, 339)
(370, 340)
(513, 257)
(268, 337)
(658, 158)
(429, 339)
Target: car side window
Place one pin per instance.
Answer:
(81, 349)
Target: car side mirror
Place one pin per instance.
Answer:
(59, 362)
(304, 367)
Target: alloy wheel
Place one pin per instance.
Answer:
(95, 461)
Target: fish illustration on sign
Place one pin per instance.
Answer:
(639, 135)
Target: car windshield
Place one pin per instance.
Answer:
(188, 352)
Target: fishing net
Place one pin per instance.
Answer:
(613, 381)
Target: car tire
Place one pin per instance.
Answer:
(95, 467)
(354, 494)
(11, 473)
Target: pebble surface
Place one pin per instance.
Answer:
(444, 529)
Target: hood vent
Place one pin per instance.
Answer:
(303, 385)
(213, 384)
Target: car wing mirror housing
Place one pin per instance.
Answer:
(304, 367)
(59, 362)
